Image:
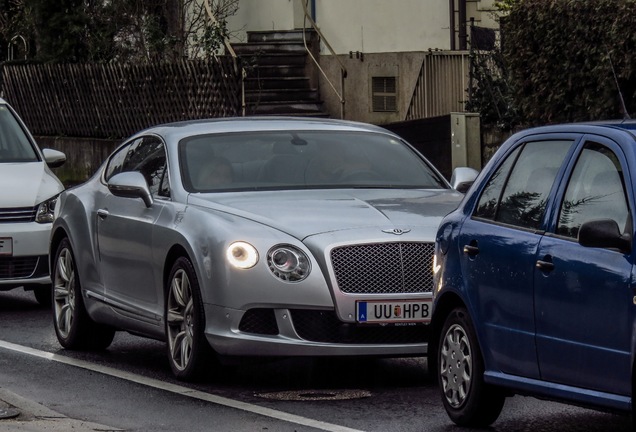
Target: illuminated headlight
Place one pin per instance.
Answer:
(242, 255)
(46, 210)
(288, 263)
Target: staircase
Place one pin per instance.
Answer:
(281, 77)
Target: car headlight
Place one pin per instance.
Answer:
(242, 255)
(46, 211)
(288, 263)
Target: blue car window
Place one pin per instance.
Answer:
(487, 206)
(520, 197)
(595, 191)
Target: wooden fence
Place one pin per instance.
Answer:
(116, 100)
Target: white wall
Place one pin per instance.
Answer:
(374, 26)
(369, 26)
(258, 15)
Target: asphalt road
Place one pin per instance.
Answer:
(130, 387)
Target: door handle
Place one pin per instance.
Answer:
(102, 213)
(471, 250)
(545, 265)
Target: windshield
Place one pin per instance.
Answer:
(14, 144)
(302, 160)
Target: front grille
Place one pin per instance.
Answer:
(17, 267)
(324, 326)
(384, 268)
(259, 321)
(17, 214)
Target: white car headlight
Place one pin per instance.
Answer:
(46, 211)
(288, 263)
(242, 255)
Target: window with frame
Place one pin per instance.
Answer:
(517, 193)
(384, 94)
(595, 190)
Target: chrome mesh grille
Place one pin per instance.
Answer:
(384, 268)
(17, 214)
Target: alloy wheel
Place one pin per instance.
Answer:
(180, 319)
(64, 292)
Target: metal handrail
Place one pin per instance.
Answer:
(343, 69)
(229, 48)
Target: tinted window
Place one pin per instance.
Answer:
(523, 199)
(146, 155)
(487, 206)
(595, 191)
(149, 158)
(302, 159)
(15, 146)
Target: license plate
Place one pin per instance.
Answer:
(399, 311)
(6, 246)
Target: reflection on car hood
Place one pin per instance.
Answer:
(304, 213)
(26, 184)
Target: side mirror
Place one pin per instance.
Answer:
(604, 233)
(463, 178)
(53, 158)
(130, 184)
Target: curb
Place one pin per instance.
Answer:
(27, 415)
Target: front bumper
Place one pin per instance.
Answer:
(281, 332)
(27, 263)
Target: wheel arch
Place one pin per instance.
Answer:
(443, 306)
(56, 238)
(175, 252)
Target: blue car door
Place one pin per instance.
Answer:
(499, 245)
(583, 295)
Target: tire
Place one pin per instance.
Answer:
(73, 327)
(189, 352)
(468, 400)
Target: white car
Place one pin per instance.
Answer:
(29, 191)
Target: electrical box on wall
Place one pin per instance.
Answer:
(465, 140)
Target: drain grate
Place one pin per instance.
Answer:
(315, 395)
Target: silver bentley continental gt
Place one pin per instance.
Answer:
(242, 237)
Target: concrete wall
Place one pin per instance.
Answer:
(403, 65)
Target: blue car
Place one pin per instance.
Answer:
(535, 284)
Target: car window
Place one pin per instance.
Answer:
(302, 159)
(146, 155)
(487, 206)
(595, 190)
(15, 146)
(520, 198)
(116, 162)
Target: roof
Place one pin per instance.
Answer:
(181, 129)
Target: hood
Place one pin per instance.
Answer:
(27, 184)
(309, 212)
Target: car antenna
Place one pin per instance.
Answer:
(620, 93)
